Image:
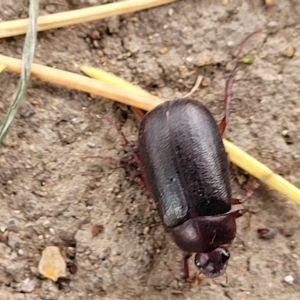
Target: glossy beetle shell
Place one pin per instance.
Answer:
(184, 161)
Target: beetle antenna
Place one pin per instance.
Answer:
(229, 82)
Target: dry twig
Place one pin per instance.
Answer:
(62, 19)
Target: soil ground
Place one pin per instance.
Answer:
(103, 222)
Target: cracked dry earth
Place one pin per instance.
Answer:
(104, 224)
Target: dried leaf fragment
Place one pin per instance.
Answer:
(52, 265)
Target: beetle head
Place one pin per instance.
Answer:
(214, 263)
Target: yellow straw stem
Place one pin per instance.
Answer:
(261, 172)
(62, 19)
(85, 84)
(2, 68)
(112, 79)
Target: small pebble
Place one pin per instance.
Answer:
(28, 285)
(205, 14)
(113, 24)
(146, 230)
(34, 101)
(272, 24)
(230, 43)
(72, 267)
(289, 279)
(96, 44)
(49, 290)
(46, 224)
(290, 51)
(3, 228)
(203, 59)
(3, 238)
(205, 81)
(163, 50)
(71, 251)
(95, 35)
(189, 59)
(171, 12)
(287, 137)
(266, 233)
(50, 8)
(96, 230)
(269, 3)
(287, 232)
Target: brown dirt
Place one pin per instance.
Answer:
(51, 195)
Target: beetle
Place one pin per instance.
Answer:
(186, 168)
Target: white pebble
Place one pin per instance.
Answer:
(230, 43)
(52, 231)
(46, 224)
(272, 24)
(289, 279)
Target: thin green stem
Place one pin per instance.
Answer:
(27, 58)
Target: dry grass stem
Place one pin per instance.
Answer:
(2, 67)
(62, 19)
(85, 84)
(195, 87)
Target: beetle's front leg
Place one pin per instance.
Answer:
(184, 269)
(239, 213)
(248, 194)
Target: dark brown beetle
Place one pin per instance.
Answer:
(186, 168)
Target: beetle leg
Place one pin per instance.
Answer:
(184, 270)
(239, 213)
(127, 162)
(248, 194)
